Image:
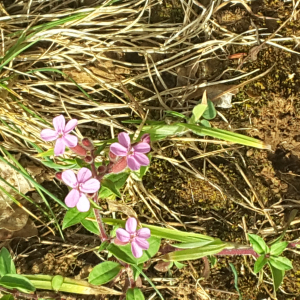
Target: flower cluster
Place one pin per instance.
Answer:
(122, 154)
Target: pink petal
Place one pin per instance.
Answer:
(123, 235)
(59, 147)
(144, 233)
(118, 242)
(69, 178)
(83, 175)
(142, 243)
(90, 186)
(131, 225)
(141, 158)
(83, 204)
(133, 163)
(118, 149)
(49, 135)
(70, 140)
(124, 139)
(145, 138)
(59, 123)
(142, 148)
(72, 198)
(136, 250)
(70, 125)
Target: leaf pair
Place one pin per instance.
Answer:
(205, 110)
(270, 256)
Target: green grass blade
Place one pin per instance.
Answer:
(236, 280)
(226, 135)
(8, 58)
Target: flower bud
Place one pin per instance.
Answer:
(102, 170)
(118, 166)
(112, 157)
(88, 159)
(58, 175)
(145, 138)
(79, 150)
(87, 144)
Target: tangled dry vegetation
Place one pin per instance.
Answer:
(104, 62)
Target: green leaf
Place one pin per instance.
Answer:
(7, 265)
(210, 112)
(107, 183)
(198, 111)
(121, 254)
(118, 179)
(57, 282)
(90, 225)
(259, 264)
(47, 153)
(195, 253)
(236, 280)
(277, 276)
(179, 265)
(53, 165)
(73, 216)
(281, 263)
(104, 272)
(277, 248)
(134, 294)
(80, 163)
(175, 114)
(103, 246)
(163, 130)
(194, 244)
(124, 252)
(15, 281)
(205, 123)
(7, 297)
(226, 135)
(258, 244)
(100, 149)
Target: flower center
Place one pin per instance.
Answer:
(132, 236)
(79, 186)
(131, 151)
(60, 134)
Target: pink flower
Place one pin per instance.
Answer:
(135, 154)
(80, 185)
(137, 238)
(60, 134)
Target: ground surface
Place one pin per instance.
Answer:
(266, 108)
